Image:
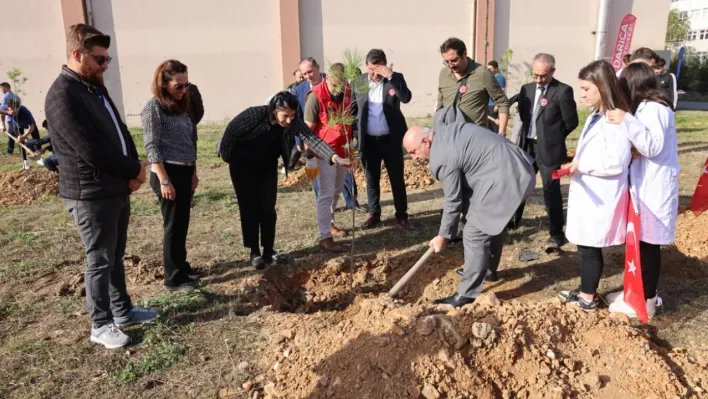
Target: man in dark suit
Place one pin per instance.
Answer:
(100, 168)
(381, 128)
(549, 114)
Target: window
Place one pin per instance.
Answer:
(695, 13)
(705, 12)
(693, 36)
(702, 35)
(683, 15)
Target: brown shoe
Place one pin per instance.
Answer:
(371, 222)
(405, 225)
(329, 245)
(336, 233)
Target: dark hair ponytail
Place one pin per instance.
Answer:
(282, 100)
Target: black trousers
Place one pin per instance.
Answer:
(651, 267)
(591, 266)
(378, 149)
(490, 111)
(552, 197)
(175, 217)
(256, 192)
(16, 132)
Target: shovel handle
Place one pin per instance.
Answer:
(413, 270)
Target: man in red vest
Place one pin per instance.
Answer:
(331, 97)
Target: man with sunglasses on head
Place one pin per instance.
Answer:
(100, 168)
(548, 114)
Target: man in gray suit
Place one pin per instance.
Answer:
(482, 172)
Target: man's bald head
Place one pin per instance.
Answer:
(417, 141)
(310, 70)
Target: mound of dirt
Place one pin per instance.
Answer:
(416, 175)
(26, 186)
(382, 348)
(692, 235)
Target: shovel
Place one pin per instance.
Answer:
(410, 273)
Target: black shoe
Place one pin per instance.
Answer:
(512, 225)
(455, 239)
(491, 276)
(184, 287)
(574, 298)
(276, 258)
(195, 274)
(554, 244)
(258, 262)
(455, 300)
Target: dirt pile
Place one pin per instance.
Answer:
(416, 175)
(692, 234)
(382, 348)
(23, 187)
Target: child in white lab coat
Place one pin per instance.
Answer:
(653, 176)
(598, 193)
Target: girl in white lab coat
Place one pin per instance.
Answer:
(598, 194)
(653, 177)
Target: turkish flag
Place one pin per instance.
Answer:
(699, 203)
(633, 285)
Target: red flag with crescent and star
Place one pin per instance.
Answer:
(699, 203)
(633, 285)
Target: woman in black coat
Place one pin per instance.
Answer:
(252, 143)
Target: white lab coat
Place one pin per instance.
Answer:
(598, 194)
(654, 175)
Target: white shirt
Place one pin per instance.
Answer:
(376, 124)
(115, 121)
(532, 128)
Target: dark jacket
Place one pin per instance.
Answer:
(255, 120)
(555, 120)
(395, 92)
(86, 141)
(195, 110)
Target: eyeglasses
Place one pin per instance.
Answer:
(452, 62)
(180, 86)
(542, 77)
(101, 59)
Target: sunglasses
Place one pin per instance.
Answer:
(100, 59)
(180, 86)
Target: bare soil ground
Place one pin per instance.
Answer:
(313, 329)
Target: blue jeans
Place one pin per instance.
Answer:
(349, 187)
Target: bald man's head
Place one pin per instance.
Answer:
(417, 141)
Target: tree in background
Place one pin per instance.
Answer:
(677, 29)
(17, 80)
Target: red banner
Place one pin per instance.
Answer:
(624, 40)
(699, 203)
(633, 284)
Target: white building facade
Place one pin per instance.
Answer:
(696, 11)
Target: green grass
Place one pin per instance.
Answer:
(161, 353)
(20, 238)
(68, 305)
(21, 268)
(178, 302)
(143, 206)
(7, 308)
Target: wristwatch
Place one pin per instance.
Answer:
(164, 182)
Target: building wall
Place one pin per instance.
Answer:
(697, 11)
(232, 49)
(37, 49)
(239, 52)
(409, 31)
(566, 30)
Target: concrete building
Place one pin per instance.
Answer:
(697, 13)
(241, 51)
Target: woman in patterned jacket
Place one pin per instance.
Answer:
(252, 143)
(168, 133)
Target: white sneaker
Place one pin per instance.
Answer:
(614, 296)
(25, 165)
(620, 306)
(40, 162)
(109, 336)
